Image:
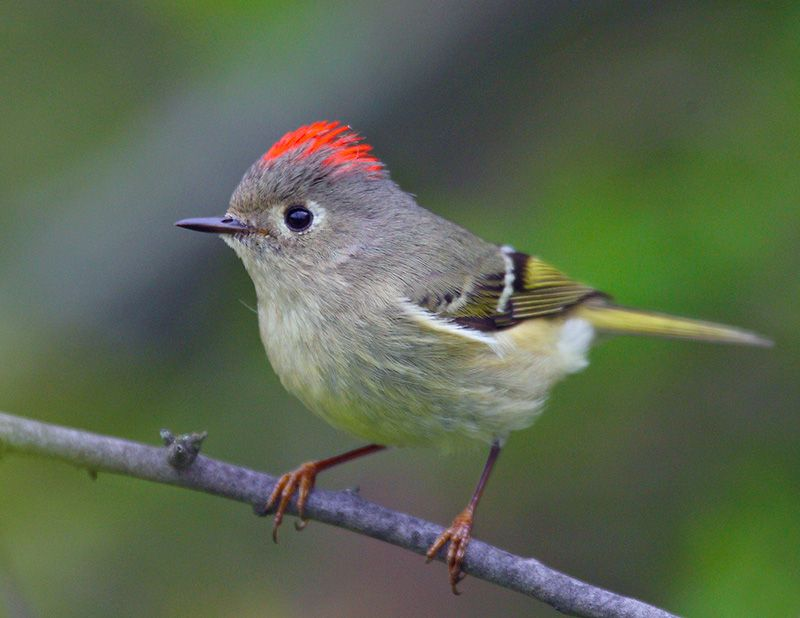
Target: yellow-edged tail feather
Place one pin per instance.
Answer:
(622, 320)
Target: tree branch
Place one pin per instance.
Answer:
(340, 508)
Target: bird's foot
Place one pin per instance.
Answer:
(459, 535)
(301, 482)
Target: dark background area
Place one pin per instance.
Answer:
(650, 150)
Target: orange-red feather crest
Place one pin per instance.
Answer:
(348, 149)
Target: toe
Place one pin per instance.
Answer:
(458, 536)
(299, 482)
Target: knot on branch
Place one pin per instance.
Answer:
(182, 450)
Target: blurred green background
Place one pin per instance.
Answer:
(648, 149)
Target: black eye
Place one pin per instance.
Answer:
(298, 218)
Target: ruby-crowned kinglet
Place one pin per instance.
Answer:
(399, 326)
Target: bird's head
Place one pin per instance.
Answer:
(317, 197)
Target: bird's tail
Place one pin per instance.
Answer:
(622, 320)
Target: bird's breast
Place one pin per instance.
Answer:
(294, 342)
(380, 374)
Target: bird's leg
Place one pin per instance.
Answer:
(460, 531)
(301, 482)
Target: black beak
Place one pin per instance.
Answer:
(215, 225)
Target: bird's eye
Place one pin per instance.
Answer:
(298, 218)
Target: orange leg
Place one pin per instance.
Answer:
(301, 482)
(460, 531)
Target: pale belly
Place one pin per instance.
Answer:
(419, 384)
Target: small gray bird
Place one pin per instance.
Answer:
(399, 326)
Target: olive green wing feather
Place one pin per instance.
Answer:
(542, 290)
(526, 287)
(503, 291)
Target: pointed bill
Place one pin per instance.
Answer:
(215, 225)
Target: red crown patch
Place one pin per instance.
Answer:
(347, 146)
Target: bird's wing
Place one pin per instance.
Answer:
(527, 288)
(504, 292)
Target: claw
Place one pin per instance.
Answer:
(458, 535)
(300, 482)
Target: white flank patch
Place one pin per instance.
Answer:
(508, 282)
(573, 343)
(443, 325)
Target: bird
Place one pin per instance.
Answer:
(401, 327)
